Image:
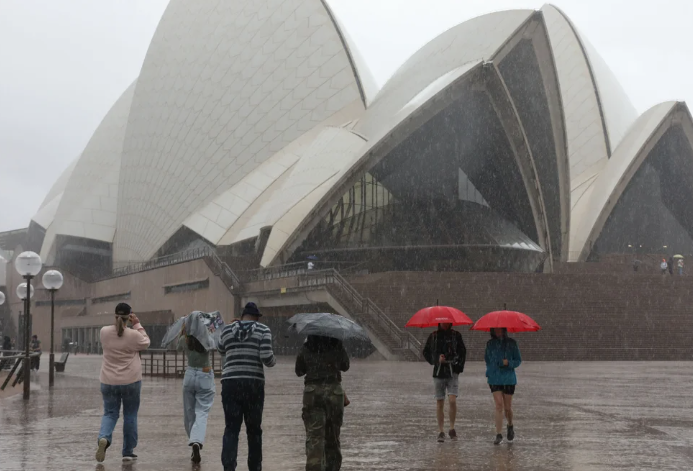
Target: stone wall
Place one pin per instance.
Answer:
(583, 316)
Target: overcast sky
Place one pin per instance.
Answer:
(64, 63)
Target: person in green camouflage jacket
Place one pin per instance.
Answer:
(321, 361)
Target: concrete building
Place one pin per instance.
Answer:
(255, 131)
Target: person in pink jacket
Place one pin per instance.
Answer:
(121, 380)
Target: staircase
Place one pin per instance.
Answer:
(363, 310)
(223, 271)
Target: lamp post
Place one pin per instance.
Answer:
(2, 301)
(28, 265)
(52, 281)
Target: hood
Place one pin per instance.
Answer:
(243, 330)
(504, 336)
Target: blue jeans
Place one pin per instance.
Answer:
(113, 396)
(243, 400)
(198, 397)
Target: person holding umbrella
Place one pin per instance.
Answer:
(502, 357)
(679, 263)
(445, 350)
(322, 360)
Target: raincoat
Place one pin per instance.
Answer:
(497, 350)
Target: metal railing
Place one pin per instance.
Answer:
(18, 359)
(221, 269)
(166, 363)
(365, 310)
(218, 266)
(297, 268)
(165, 261)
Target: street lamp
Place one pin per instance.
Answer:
(52, 281)
(2, 298)
(28, 265)
(21, 292)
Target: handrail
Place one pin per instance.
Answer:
(167, 260)
(208, 253)
(227, 275)
(363, 306)
(293, 269)
(19, 354)
(169, 362)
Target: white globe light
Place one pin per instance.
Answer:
(52, 280)
(2, 298)
(21, 291)
(28, 263)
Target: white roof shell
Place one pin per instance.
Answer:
(599, 200)
(597, 111)
(434, 66)
(46, 212)
(87, 206)
(224, 86)
(247, 115)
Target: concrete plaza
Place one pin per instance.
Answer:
(568, 416)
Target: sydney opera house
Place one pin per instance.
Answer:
(256, 128)
(255, 138)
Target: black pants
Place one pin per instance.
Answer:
(243, 400)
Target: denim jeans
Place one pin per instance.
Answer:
(243, 400)
(113, 396)
(198, 397)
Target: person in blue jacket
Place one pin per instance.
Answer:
(502, 357)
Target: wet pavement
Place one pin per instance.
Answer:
(568, 416)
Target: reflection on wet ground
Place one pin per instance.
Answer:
(581, 416)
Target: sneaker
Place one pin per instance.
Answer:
(130, 457)
(511, 433)
(453, 434)
(196, 458)
(101, 450)
(498, 440)
(441, 437)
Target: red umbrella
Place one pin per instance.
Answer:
(511, 320)
(434, 315)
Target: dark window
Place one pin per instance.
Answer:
(191, 286)
(112, 297)
(64, 302)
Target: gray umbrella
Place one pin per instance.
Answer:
(327, 325)
(204, 326)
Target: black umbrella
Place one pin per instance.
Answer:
(327, 325)
(355, 338)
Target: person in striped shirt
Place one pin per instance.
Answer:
(247, 346)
